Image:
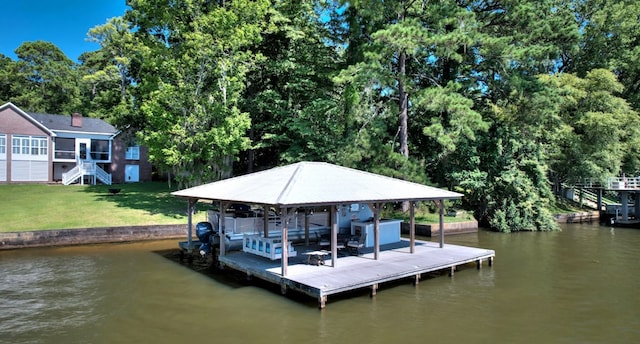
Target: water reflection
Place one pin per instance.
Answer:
(578, 285)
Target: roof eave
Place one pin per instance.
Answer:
(313, 204)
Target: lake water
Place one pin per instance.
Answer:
(580, 285)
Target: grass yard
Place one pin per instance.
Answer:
(426, 213)
(26, 207)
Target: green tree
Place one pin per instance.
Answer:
(602, 129)
(610, 40)
(195, 59)
(46, 80)
(7, 78)
(504, 174)
(107, 75)
(408, 58)
(290, 94)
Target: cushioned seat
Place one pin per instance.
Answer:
(354, 245)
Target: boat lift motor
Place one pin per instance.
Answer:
(204, 231)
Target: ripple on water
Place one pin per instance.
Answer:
(41, 295)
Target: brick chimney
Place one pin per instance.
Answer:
(76, 120)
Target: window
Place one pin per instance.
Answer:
(133, 153)
(29, 147)
(38, 146)
(100, 149)
(25, 145)
(65, 148)
(16, 142)
(3, 144)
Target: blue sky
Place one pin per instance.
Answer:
(64, 23)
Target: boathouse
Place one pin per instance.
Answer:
(306, 185)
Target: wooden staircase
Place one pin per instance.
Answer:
(84, 169)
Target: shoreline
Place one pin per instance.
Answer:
(86, 236)
(100, 235)
(450, 228)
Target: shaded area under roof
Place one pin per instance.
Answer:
(314, 183)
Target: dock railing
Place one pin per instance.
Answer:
(623, 183)
(587, 197)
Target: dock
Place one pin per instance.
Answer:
(352, 201)
(357, 271)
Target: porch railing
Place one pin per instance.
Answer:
(86, 169)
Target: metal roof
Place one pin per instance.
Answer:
(314, 183)
(63, 123)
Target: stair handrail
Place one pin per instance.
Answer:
(589, 196)
(71, 175)
(102, 175)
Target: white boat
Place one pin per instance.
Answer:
(243, 220)
(244, 229)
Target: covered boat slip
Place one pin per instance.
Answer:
(305, 185)
(395, 262)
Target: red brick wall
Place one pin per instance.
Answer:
(118, 162)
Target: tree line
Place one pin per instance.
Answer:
(503, 101)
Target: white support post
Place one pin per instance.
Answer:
(412, 227)
(441, 205)
(285, 244)
(376, 207)
(265, 220)
(190, 205)
(624, 196)
(222, 227)
(306, 227)
(334, 235)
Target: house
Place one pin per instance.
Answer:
(69, 149)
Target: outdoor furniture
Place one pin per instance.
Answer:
(354, 245)
(316, 257)
(324, 241)
(266, 247)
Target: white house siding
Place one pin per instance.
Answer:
(3, 170)
(3, 157)
(29, 171)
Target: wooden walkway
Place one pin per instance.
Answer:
(355, 272)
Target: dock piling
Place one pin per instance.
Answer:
(322, 302)
(374, 289)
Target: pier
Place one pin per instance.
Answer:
(624, 213)
(395, 262)
(380, 254)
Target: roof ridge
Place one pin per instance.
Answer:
(287, 187)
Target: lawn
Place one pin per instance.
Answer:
(27, 207)
(425, 215)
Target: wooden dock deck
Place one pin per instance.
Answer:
(355, 272)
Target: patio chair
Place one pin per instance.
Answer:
(354, 246)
